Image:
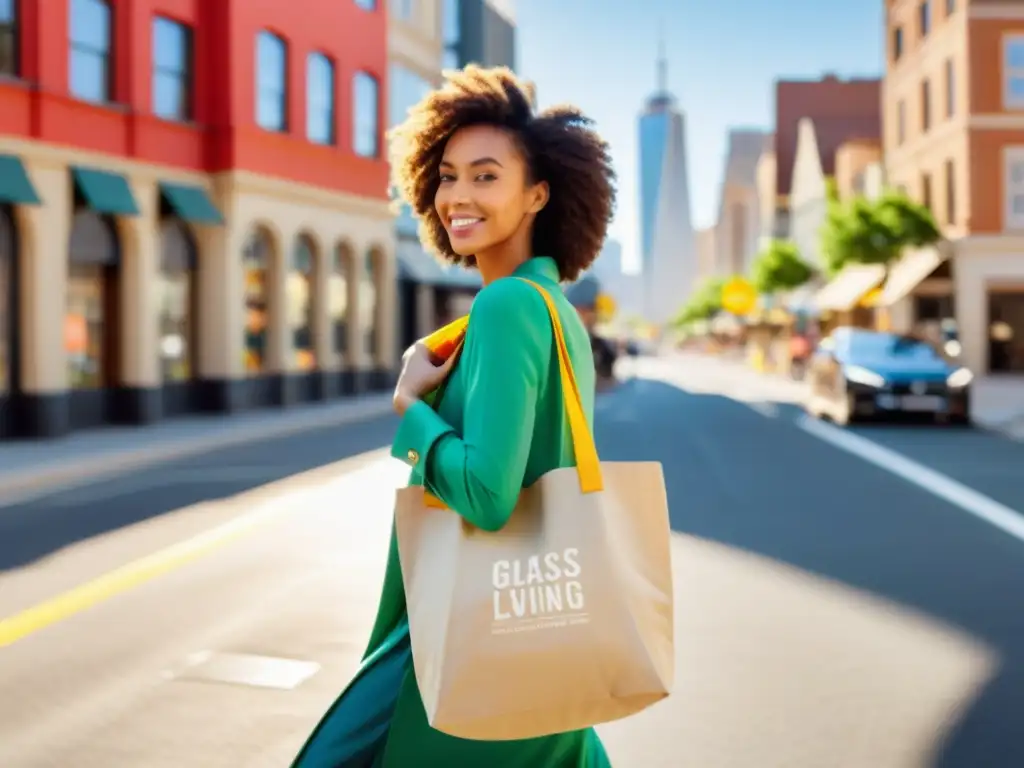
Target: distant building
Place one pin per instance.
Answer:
(953, 139)
(706, 253)
(738, 226)
(840, 109)
(667, 249)
(478, 32)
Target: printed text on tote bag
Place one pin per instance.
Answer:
(538, 592)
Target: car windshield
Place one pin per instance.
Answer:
(892, 345)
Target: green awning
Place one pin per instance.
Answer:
(105, 192)
(191, 203)
(15, 185)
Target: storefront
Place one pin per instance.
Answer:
(92, 320)
(1006, 329)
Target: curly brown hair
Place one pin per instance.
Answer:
(559, 146)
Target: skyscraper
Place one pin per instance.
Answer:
(667, 244)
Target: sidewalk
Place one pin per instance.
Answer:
(29, 468)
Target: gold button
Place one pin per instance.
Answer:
(413, 457)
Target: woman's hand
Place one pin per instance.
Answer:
(419, 376)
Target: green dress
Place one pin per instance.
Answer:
(498, 428)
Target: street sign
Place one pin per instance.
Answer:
(605, 306)
(739, 297)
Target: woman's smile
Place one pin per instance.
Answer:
(462, 227)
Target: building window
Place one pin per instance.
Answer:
(9, 38)
(271, 82)
(366, 115)
(926, 190)
(926, 106)
(405, 89)
(178, 300)
(1013, 72)
(367, 5)
(924, 13)
(402, 9)
(897, 44)
(256, 270)
(319, 99)
(172, 70)
(301, 296)
(901, 122)
(1013, 172)
(90, 70)
(950, 88)
(950, 193)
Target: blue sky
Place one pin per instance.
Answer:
(724, 56)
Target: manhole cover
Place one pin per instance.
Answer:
(246, 669)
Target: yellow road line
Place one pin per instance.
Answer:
(135, 573)
(40, 616)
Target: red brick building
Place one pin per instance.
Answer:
(193, 207)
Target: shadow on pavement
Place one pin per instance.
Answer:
(35, 529)
(763, 485)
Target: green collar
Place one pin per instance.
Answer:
(538, 266)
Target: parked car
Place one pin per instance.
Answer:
(857, 374)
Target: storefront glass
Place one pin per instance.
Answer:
(256, 265)
(301, 297)
(176, 302)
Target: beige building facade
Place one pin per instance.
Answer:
(953, 103)
(144, 291)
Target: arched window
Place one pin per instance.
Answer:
(271, 82)
(301, 291)
(319, 99)
(256, 269)
(337, 296)
(366, 115)
(177, 301)
(91, 315)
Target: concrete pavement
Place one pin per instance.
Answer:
(829, 612)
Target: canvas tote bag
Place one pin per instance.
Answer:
(561, 620)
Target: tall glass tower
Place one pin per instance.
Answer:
(668, 251)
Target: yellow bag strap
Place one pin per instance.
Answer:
(588, 465)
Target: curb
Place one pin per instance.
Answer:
(59, 475)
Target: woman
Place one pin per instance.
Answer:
(513, 194)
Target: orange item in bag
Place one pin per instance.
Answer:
(443, 342)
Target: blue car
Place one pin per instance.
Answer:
(859, 375)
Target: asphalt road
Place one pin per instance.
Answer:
(836, 606)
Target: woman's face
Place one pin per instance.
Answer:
(484, 197)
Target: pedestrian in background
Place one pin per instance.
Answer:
(514, 194)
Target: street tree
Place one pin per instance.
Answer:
(779, 268)
(704, 303)
(862, 231)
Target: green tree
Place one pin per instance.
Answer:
(704, 303)
(862, 231)
(779, 268)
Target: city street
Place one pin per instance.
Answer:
(845, 598)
